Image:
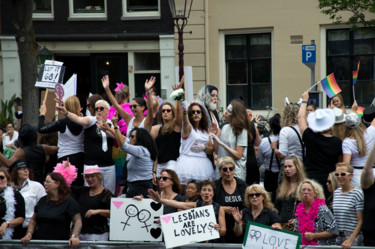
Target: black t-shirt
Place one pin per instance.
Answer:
(59, 125)
(322, 153)
(168, 146)
(368, 225)
(94, 154)
(53, 221)
(19, 212)
(266, 217)
(169, 209)
(35, 157)
(96, 224)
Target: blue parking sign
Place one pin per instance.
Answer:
(308, 53)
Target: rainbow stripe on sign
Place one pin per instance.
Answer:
(360, 111)
(330, 86)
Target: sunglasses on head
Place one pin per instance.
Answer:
(133, 106)
(342, 174)
(2, 177)
(166, 110)
(164, 178)
(196, 111)
(252, 195)
(226, 169)
(99, 109)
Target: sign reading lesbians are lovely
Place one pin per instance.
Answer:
(259, 236)
(189, 226)
(135, 220)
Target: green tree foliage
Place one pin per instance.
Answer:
(359, 11)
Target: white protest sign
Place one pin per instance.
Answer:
(70, 87)
(51, 72)
(134, 220)
(259, 236)
(189, 226)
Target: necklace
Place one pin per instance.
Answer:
(92, 192)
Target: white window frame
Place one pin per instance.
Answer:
(87, 16)
(139, 15)
(44, 16)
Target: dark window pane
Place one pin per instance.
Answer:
(261, 96)
(338, 42)
(42, 6)
(364, 42)
(236, 72)
(261, 71)
(147, 61)
(260, 45)
(139, 83)
(238, 92)
(340, 66)
(88, 6)
(366, 69)
(236, 47)
(365, 92)
(346, 92)
(142, 5)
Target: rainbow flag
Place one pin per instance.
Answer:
(360, 110)
(355, 74)
(330, 86)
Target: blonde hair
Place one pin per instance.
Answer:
(347, 165)
(289, 116)
(72, 105)
(357, 133)
(318, 189)
(259, 189)
(225, 160)
(338, 130)
(282, 191)
(123, 94)
(334, 182)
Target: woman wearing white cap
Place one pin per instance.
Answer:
(323, 150)
(95, 203)
(357, 144)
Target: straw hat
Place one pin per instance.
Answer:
(321, 120)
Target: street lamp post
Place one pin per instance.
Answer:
(180, 10)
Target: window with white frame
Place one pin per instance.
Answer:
(145, 66)
(141, 9)
(87, 9)
(43, 9)
(248, 69)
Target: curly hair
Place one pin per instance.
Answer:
(239, 120)
(289, 115)
(63, 189)
(258, 189)
(357, 133)
(282, 191)
(143, 138)
(203, 123)
(176, 187)
(318, 189)
(204, 95)
(167, 127)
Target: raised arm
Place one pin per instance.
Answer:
(302, 123)
(367, 177)
(150, 112)
(126, 116)
(119, 137)
(83, 121)
(186, 126)
(172, 203)
(178, 103)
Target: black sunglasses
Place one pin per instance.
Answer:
(131, 136)
(99, 109)
(2, 177)
(226, 169)
(196, 111)
(166, 110)
(133, 106)
(252, 195)
(342, 174)
(164, 178)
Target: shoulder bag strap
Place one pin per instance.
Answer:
(300, 140)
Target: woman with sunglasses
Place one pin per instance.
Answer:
(314, 220)
(234, 138)
(229, 193)
(195, 145)
(142, 149)
(70, 135)
(332, 184)
(348, 208)
(259, 209)
(286, 202)
(207, 191)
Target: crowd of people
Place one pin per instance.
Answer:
(318, 178)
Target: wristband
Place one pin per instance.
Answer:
(74, 236)
(304, 101)
(29, 233)
(66, 114)
(185, 112)
(116, 127)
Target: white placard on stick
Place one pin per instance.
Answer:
(134, 220)
(259, 236)
(189, 226)
(51, 72)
